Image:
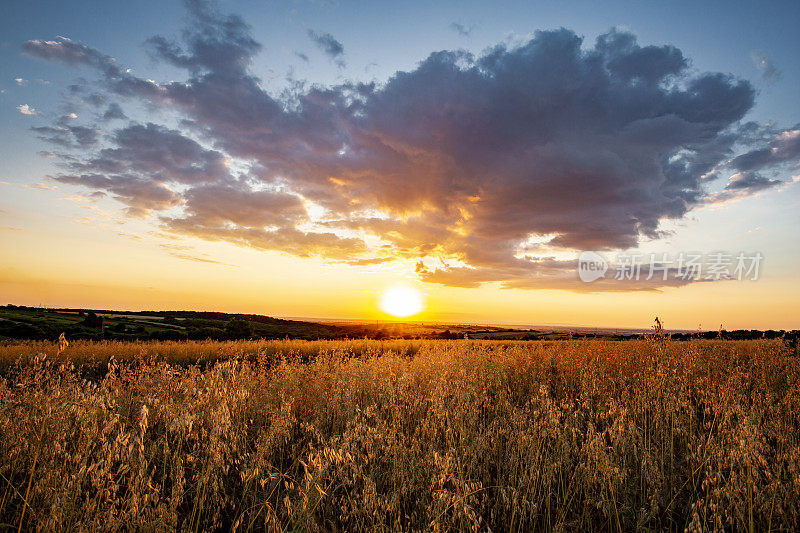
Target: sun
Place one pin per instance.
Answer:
(401, 301)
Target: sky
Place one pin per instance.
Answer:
(306, 158)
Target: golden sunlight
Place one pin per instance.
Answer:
(402, 301)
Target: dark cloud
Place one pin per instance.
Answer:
(750, 181)
(783, 147)
(114, 111)
(328, 44)
(84, 137)
(626, 60)
(742, 185)
(489, 163)
(158, 154)
(81, 88)
(71, 53)
(68, 136)
(94, 99)
(214, 42)
(64, 50)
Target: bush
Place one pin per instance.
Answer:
(237, 328)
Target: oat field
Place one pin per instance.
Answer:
(650, 435)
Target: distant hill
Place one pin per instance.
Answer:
(21, 322)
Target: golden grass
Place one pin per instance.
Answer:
(401, 435)
(93, 353)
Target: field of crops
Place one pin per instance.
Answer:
(400, 435)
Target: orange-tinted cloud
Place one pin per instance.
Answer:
(463, 158)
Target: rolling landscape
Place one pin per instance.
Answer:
(31, 323)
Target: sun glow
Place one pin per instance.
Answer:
(401, 301)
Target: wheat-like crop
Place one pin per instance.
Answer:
(400, 435)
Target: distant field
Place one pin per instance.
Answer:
(93, 354)
(400, 435)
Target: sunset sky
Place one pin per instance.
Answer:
(302, 158)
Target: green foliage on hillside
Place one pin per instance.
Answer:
(18, 322)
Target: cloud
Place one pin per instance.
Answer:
(225, 205)
(214, 42)
(64, 50)
(284, 238)
(94, 99)
(461, 29)
(187, 253)
(783, 147)
(743, 185)
(750, 182)
(140, 195)
(764, 63)
(71, 53)
(44, 186)
(81, 88)
(494, 164)
(550, 273)
(67, 136)
(370, 261)
(25, 109)
(159, 154)
(114, 111)
(328, 44)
